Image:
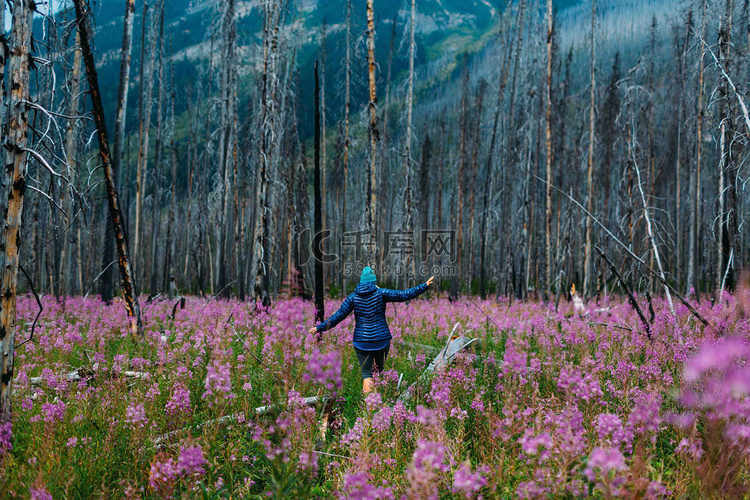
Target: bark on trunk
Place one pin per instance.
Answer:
(347, 102)
(13, 187)
(374, 138)
(318, 215)
(155, 173)
(695, 171)
(590, 171)
(128, 286)
(409, 223)
(144, 116)
(66, 197)
(106, 288)
(548, 144)
(227, 122)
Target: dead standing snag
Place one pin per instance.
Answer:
(13, 187)
(128, 285)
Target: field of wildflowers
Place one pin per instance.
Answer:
(547, 405)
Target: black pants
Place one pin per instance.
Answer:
(368, 358)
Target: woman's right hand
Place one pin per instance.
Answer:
(431, 280)
(313, 329)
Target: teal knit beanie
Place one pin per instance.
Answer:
(368, 276)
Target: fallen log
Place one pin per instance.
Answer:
(259, 411)
(82, 373)
(445, 357)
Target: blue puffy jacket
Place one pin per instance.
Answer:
(368, 302)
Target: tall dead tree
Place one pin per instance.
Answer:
(506, 253)
(226, 117)
(144, 117)
(681, 55)
(66, 198)
(548, 144)
(127, 283)
(158, 151)
(107, 278)
(12, 192)
(268, 147)
(590, 170)
(374, 138)
(323, 150)
(170, 250)
(3, 51)
(490, 173)
(408, 209)
(320, 315)
(347, 102)
(729, 216)
(695, 170)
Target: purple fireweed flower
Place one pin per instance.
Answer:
(381, 421)
(469, 483)
(692, 449)
(531, 444)
(53, 411)
(6, 433)
(657, 490)
(531, 489)
(373, 401)
(611, 431)
(430, 455)
(428, 461)
(324, 368)
(645, 416)
(40, 493)
(719, 356)
(605, 460)
(135, 415)
(218, 379)
(179, 401)
(162, 472)
(357, 487)
(191, 461)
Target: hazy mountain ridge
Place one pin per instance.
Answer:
(445, 30)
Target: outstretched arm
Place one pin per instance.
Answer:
(404, 295)
(346, 308)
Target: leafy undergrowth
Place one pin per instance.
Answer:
(546, 405)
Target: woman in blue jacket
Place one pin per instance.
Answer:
(372, 337)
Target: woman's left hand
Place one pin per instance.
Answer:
(313, 329)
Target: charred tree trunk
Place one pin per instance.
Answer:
(490, 176)
(144, 112)
(128, 286)
(347, 102)
(170, 252)
(106, 283)
(66, 197)
(695, 171)
(548, 144)
(590, 171)
(3, 51)
(155, 173)
(409, 222)
(268, 147)
(723, 270)
(11, 198)
(318, 216)
(227, 123)
(374, 138)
